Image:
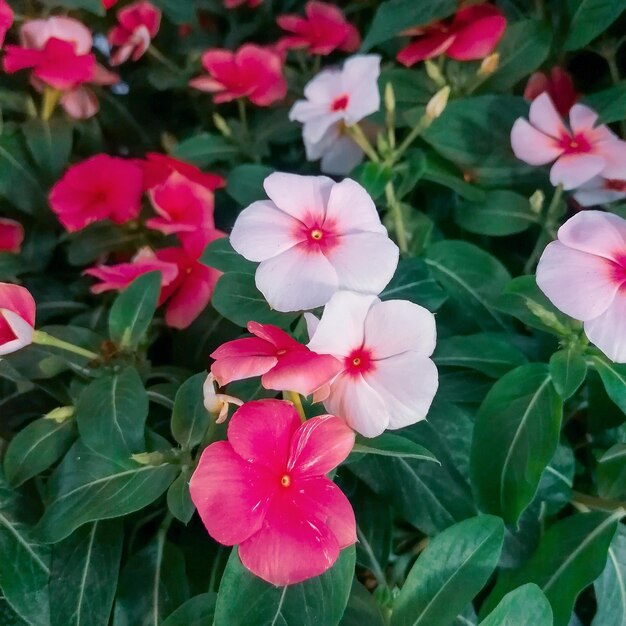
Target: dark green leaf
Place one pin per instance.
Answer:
(36, 447)
(94, 6)
(525, 606)
(555, 486)
(84, 574)
(374, 177)
(190, 419)
(205, 149)
(452, 569)
(610, 103)
(613, 377)
(612, 473)
(392, 445)
(590, 18)
(362, 609)
(111, 414)
(197, 611)
(220, 255)
(245, 600)
(179, 499)
(245, 183)
(515, 436)
(90, 244)
(443, 173)
(568, 369)
(50, 144)
(610, 587)
(134, 309)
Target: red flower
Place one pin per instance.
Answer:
(6, 20)
(158, 167)
(559, 86)
(17, 318)
(11, 235)
(251, 72)
(323, 30)
(138, 24)
(107, 4)
(233, 4)
(472, 34)
(102, 187)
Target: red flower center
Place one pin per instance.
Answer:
(618, 270)
(578, 144)
(318, 235)
(340, 103)
(359, 361)
(613, 184)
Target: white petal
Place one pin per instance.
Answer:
(582, 118)
(407, 383)
(262, 231)
(299, 196)
(21, 328)
(312, 323)
(595, 232)
(573, 170)
(324, 87)
(296, 280)
(395, 326)
(544, 116)
(351, 209)
(341, 156)
(608, 331)
(531, 145)
(360, 80)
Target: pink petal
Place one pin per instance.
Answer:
(192, 297)
(297, 279)
(407, 384)
(274, 335)
(582, 118)
(531, 145)
(262, 231)
(18, 300)
(351, 209)
(261, 431)
(340, 157)
(319, 445)
(238, 368)
(299, 196)
(206, 83)
(248, 346)
(614, 154)
(426, 47)
(595, 192)
(581, 285)
(596, 232)
(573, 170)
(231, 495)
(11, 235)
(608, 331)
(478, 39)
(394, 326)
(80, 103)
(544, 116)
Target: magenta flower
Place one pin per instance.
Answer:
(6, 20)
(138, 24)
(282, 362)
(583, 274)
(266, 490)
(580, 152)
(312, 238)
(559, 86)
(17, 318)
(233, 4)
(11, 235)
(158, 167)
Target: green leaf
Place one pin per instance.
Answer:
(245, 183)
(99, 239)
(523, 48)
(179, 499)
(25, 564)
(555, 486)
(489, 353)
(498, 214)
(36, 447)
(515, 436)
(197, 611)
(610, 587)
(238, 300)
(610, 103)
(93, 6)
(204, 149)
(394, 16)
(452, 569)
(84, 575)
(189, 418)
(568, 369)
(152, 585)
(245, 600)
(87, 486)
(111, 414)
(412, 281)
(471, 277)
(134, 309)
(613, 377)
(220, 255)
(525, 606)
(393, 445)
(362, 609)
(612, 472)
(50, 144)
(374, 177)
(590, 18)
(439, 171)
(570, 556)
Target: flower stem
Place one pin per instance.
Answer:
(546, 231)
(358, 136)
(161, 58)
(294, 397)
(51, 98)
(243, 118)
(398, 219)
(44, 339)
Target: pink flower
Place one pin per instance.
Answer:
(387, 379)
(601, 191)
(583, 274)
(233, 4)
(11, 235)
(251, 72)
(6, 20)
(107, 4)
(581, 151)
(282, 362)
(334, 99)
(101, 187)
(323, 30)
(217, 403)
(312, 238)
(17, 318)
(119, 276)
(158, 167)
(473, 33)
(266, 490)
(559, 86)
(138, 25)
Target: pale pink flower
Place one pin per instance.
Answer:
(580, 152)
(282, 362)
(266, 489)
(312, 238)
(17, 318)
(583, 274)
(217, 403)
(601, 191)
(334, 99)
(388, 379)
(138, 24)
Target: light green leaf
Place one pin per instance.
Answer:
(610, 587)
(525, 606)
(568, 369)
(590, 18)
(393, 445)
(613, 377)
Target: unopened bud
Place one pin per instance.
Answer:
(222, 125)
(60, 414)
(149, 458)
(434, 73)
(390, 98)
(489, 65)
(437, 103)
(536, 201)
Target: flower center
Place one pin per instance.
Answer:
(613, 184)
(578, 144)
(316, 234)
(340, 103)
(285, 480)
(359, 361)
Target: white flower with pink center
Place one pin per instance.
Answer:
(583, 274)
(334, 99)
(312, 238)
(388, 380)
(579, 152)
(601, 190)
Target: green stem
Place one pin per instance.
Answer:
(358, 136)
(161, 58)
(546, 231)
(243, 118)
(421, 126)
(398, 220)
(44, 339)
(294, 397)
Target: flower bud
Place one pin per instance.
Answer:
(437, 103)
(434, 73)
(222, 125)
(60, 414)
(536, 201)
(390, 98)
(489, 65)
